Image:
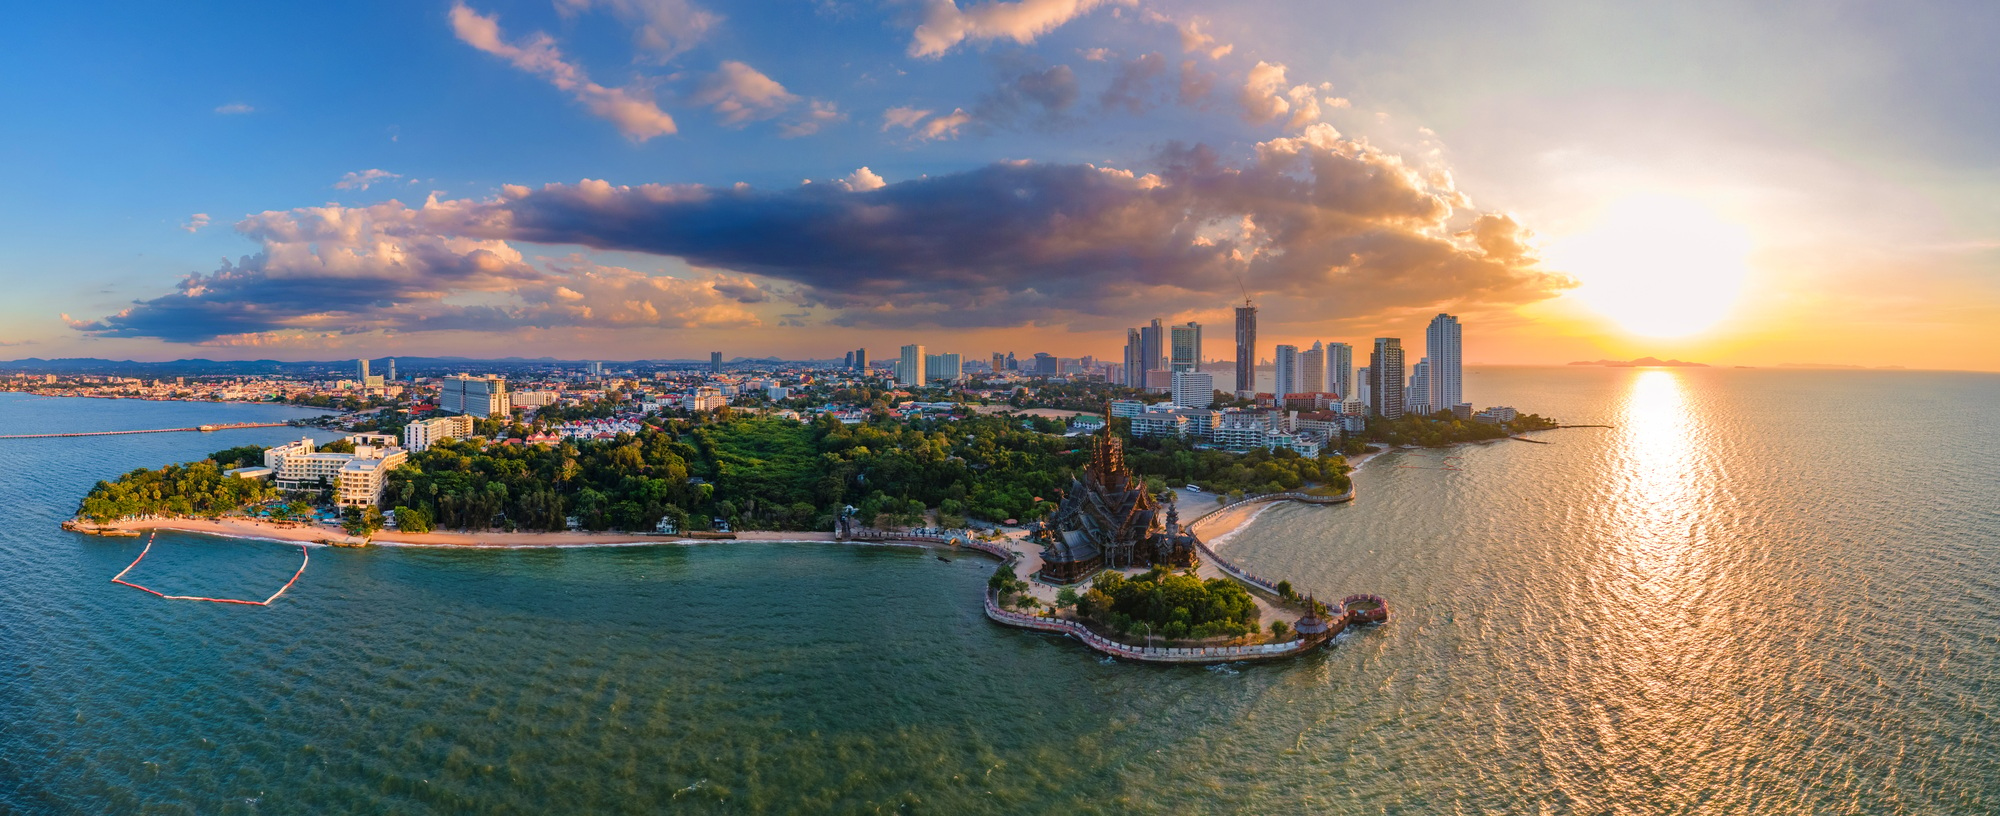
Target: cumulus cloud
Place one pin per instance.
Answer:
(662, 27)
(195, 222)
(1196, 84)
(336, 270)
(945, 25)
(633, 111)
(1265, 98)
(818, 114)
(739, 94)
(363, 179)
(234, 109)
(1194, 39)
(863, 180)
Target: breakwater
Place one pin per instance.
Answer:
(231, 426)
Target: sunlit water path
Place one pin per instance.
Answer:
(1759, 592)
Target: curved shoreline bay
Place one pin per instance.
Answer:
(1692, 611)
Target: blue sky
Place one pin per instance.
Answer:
(1428, 156)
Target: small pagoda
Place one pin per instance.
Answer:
(1108, 520)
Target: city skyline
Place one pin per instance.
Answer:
(589, 180)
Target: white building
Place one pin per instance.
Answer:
(533, 399)
(1340, 369)
(1127, 408)
(1443, 348)
(704, 398)
(1416, 399)
(1194, 389)
(477, 396)
(422, 434)
(1185, 347)
(361, 480)
(357, 478)
(1312, 370)
(943, 368)
(910, 368)
(1286, 380)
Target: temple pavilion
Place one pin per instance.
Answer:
(1108, 520)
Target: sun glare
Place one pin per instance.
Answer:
(1658, 265)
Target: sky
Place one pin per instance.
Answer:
(1734, 183)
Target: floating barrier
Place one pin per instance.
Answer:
(306, 558)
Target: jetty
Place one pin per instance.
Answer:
(227, 426)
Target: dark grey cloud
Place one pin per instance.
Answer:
(1319, 227)
(1027, 94)
(1135, 87)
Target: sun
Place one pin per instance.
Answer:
(1657, 265)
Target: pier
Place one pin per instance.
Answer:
(231, 426)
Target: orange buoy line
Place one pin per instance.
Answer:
(120, 579)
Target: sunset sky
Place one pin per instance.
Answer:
(1737, 183)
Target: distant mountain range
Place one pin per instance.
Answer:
(1643, 362)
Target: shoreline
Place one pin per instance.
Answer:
(313, 534)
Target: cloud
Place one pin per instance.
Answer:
(818, 114)
(863, 180)
(6, 343)
(634, 112)
(924, 126)
(234, 109)
(336, 270)
(1026, 92)
(195, 222)
(1194, 39)
(1134, 86)
(903, 117)
(1319, 226)
(364, 179)
(662, 27)
(945, 25)
(1262, 98)
(1196, 84)
(739, 94)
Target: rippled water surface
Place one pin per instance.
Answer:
(1758, 592)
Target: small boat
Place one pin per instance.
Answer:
(944, 559)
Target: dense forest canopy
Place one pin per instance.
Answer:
(194, 489)
(1171, 605)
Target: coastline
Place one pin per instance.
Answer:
(317, 534)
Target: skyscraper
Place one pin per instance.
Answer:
(1186, 347)
(1417, 398)
(715, 362)
(1443, 342)
(1385, 378)
(477, 396)
(942, 368)
(999, 362)
(1312, 369)
(910, 369)
(1246, 348)
(1046, 364)
(1135, 359)
(1340, 369)
(392, 369)
(1153, 346)
(850, 361)
(361, 371)
(861, 359)
(1286, 380)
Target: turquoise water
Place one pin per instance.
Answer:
(1761, 592)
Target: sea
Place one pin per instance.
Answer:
(1754, 592)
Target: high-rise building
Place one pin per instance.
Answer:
(1416, 398)
(476, 396)
(1193, 389)
(1340, 369)
(999, 362)
(715, 362)
(1045, 364)
(910, 367)
(1153, 346)
(943, 368)
(1443, 347)
(420, 435)
(1286, 380)
(392, 369)
(849, 363)
(1246, 348)
(861, 359)
(361, 371)
(1135, 359)
(1385, 378)
(1312, 369)
(1361, 387)
(1185, 347)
